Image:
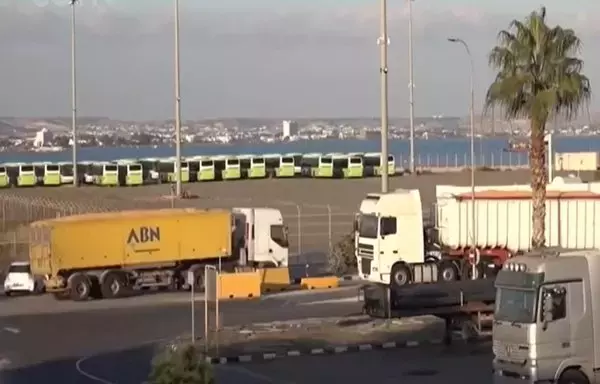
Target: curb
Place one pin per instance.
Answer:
(330, 350)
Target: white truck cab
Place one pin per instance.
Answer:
(389, 232)
(547, 318)
(19, 279)
(261, 237)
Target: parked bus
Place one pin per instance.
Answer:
(150, 170)
(21, 174)
(280, 166)
(130, 173)
(348, 167)
(372, 164)
(47, 174)
(105, 174)
(167, 170)
(297, 156)
(4, 178)
(227, 167)
(252, 166)
(317, 165)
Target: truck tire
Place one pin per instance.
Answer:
(400, 275)
(112, 286)
(573, 376)
(447, 271)
(80, 287)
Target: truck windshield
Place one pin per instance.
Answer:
(367, 226)
(515, 305)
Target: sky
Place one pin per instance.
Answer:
(259, 58)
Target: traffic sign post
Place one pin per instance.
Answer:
(211, 296)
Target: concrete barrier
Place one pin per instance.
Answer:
(241, 285)
(323, 282)
(274, 279)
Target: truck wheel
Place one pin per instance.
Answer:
(80, 288)
(112, 285)
(447, 271)
(401, 275)
(573, 376)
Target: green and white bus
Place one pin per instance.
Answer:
(47, 174)
(150, 170)
(348, 167)
(280, 165)
(21, 174)
(105, 174)
(4, 178)
(131, 172)
(167, 169)
(317, 165)
(202, 168)
(372, 164)
(227, 167)
(252, 166)
(297, 156)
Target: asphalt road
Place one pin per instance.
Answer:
(39, 346)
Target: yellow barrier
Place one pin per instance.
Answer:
(243, 285)
(274, 279)
(320, 282)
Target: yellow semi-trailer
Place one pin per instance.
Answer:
(106, 254)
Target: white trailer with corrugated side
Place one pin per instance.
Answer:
(393, 246)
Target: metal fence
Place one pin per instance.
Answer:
(501, 159)
(313, 229)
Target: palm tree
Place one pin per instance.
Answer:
(538, 76)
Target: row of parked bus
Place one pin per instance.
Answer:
(133, 172)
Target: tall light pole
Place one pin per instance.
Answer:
(177, 106)
(383, 71)
(411, 87)
(472, 114)
(74, 94)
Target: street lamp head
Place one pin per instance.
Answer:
(453, 39)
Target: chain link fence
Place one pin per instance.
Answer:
(313, 229)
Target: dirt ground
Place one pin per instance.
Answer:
(318, 212)
(326, 333)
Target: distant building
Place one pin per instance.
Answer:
(43, 138)
(290, 128)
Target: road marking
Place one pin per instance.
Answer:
(12, 330)
(101, 380)
(333, 301)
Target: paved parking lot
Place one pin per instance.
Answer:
(432, 365)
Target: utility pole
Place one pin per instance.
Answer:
(383, 71)
(178, 191)
(472, 115)
(411, 89)
(74, 94)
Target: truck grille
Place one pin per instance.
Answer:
(512, 353)
(365, 266)
(365, 250)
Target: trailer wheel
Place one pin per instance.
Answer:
(573, 376)
(447, 271)
(112, 286)
(79, 287)
(401, 275)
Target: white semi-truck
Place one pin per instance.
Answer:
(395, 246)
(547, 318)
